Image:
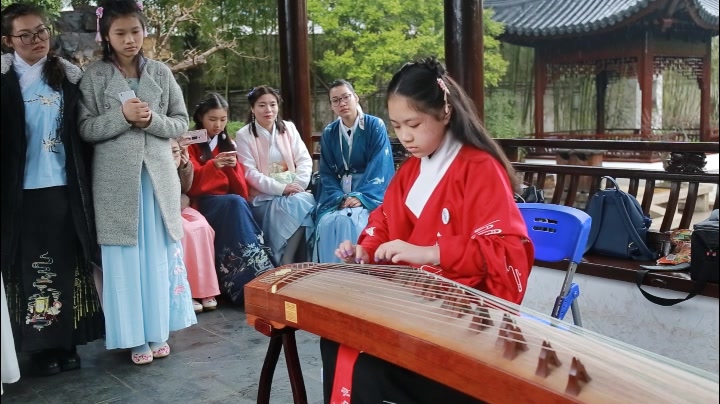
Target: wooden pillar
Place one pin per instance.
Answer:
(295, 66)
(540, 80)
(464, 48)
(705, 82)
(601, 83)
(645, 79)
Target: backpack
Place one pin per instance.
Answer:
(619, 226)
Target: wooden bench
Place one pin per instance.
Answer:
(678, 202)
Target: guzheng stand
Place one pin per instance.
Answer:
(280, 338)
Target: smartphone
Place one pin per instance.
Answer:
(227, 153)
(126, 95)
(192, 137)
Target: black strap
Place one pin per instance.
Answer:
(663, 301)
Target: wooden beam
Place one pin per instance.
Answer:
(705, 88)
(601, 84)
(294, 65)
(540, 80)
(645, 79)
(464, 48)
(670, 10)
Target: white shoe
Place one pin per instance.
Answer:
(197, 306)
(209, 303)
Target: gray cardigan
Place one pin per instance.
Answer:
(121, 150)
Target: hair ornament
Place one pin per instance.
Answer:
(251, 92)
(446, 92)
(99, 14)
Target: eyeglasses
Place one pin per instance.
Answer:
(28, 38)
(345, 98)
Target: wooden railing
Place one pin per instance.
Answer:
(643, 156)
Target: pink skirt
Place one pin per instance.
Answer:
(198, 245)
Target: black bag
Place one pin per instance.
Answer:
(703, 261)
(704, 250)
(531, 194)
(619, 227)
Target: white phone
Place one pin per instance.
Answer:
(193, 136)
(126, 95)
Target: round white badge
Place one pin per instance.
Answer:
(445, 216)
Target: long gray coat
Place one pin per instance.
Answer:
(121, 149)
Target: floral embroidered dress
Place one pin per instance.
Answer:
(51, 298)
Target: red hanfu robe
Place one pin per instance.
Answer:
(208, 180)
(461, 200)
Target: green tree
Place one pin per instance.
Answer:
(366, 41)
(52, 7)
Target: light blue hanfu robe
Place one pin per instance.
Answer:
(365, 155)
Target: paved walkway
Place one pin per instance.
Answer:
(217, 360)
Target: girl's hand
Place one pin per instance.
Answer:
(184, 156)
(292, 188)
(400, 251)
(352, 202)
(225, 159)
(352, 254)
(137, 112)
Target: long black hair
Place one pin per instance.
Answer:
(210, 102)
(253, 96)
(112, 10)
(53, 72)
(422, 84)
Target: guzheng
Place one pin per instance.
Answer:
(476, 343)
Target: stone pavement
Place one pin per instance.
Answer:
(217, 360)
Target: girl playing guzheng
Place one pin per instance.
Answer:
(449, 210)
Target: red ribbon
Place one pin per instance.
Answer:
(342, 384)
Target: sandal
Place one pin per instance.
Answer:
(209, 303)
(141, 355)
(160, 350)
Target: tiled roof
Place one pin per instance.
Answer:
(707, 10)
(541, 18)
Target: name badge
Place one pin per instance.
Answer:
(346, 182)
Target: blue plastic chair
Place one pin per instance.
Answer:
(559, 233)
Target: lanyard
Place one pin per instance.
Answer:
(349, 137)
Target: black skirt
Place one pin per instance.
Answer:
(377, 381)
(51, 294)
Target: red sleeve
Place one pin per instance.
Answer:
(494, 254)
(207, 180)
(375, 233)
(236, 180)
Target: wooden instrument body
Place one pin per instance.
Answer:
(494, 357)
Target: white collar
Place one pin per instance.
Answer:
(214, 141)
(261, 130)
(27, 73)
(432, 170)
(359, 121)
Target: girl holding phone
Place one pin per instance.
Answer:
(219, 192)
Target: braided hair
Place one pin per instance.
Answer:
(429, 89)
(253, 96)
(210, 102)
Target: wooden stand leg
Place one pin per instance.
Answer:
(294, 372)
(268, 369)
(282, 339)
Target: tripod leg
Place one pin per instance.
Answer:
(576, 313)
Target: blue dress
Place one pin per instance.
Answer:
(370, 164)
(145, 289)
